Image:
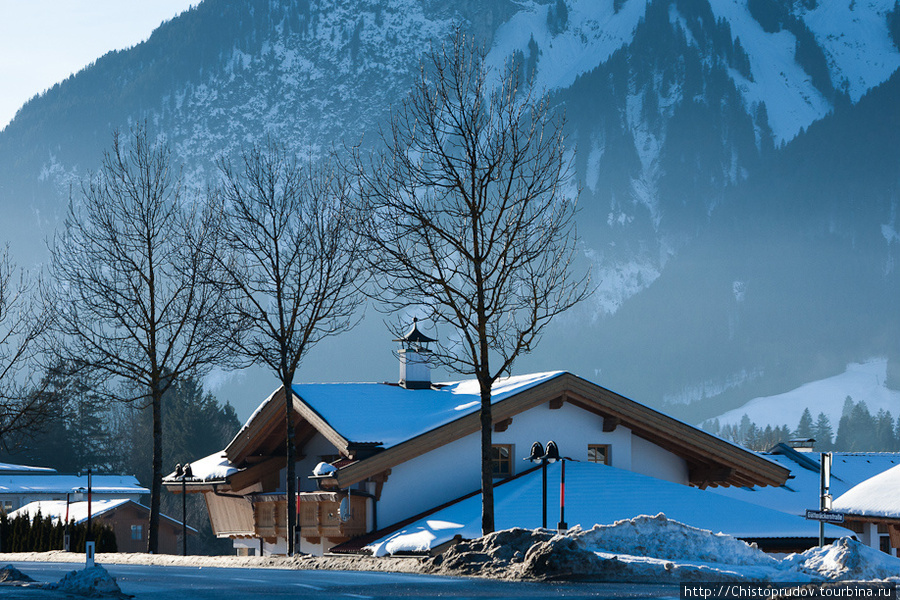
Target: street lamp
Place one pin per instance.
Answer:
(538, 456)
(184, 474)
(550, 455)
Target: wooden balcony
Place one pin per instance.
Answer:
(320, 517)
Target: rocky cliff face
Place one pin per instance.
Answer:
(738, 184)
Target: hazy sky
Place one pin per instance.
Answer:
(44, 41)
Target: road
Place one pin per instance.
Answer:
(187, 583)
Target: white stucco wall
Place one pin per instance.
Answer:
(452, 471)
(650, 459)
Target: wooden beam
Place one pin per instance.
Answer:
(610, 424)
(380, 480)
(703, 476)
(256, 473)
(501, 426)
(894, 532)
(557, 403)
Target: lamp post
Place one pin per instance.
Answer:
(184, 474)
(537, 456)
(66, 530)
(550, 455)
(88, 537)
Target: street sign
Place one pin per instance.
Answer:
(825, 516)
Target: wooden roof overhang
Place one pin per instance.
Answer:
(711, 460)
(870, 518)
(264, 435)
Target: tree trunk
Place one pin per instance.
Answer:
(291, 477)
(156, 483)
(487, 465)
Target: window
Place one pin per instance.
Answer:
(7, 506)
(137, 532)
(885, 543)
(501, 457)
(598, 453)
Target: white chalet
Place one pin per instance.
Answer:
(398, 450)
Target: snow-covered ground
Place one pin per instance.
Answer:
(642, 549)
(861, 381)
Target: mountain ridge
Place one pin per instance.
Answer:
(701, 132)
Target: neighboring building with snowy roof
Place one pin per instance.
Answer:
(801, 491)
(129, 520)
(20, 488)
(873, 509)
(399, 450)
(8, 469)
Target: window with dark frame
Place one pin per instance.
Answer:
(599, 453)
(137, 532)
(501, 458)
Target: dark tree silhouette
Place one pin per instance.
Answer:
(293, 266)
(129, 285)
(468, 219)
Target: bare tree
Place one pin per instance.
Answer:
(129, 284)
(22, 323)
(293, 263)
(469, 220)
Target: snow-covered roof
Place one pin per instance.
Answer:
(874, 497)
(801, 491)
(53, 483)
(7, 468)
(599, 494)
(56, 509)
(215, 467)
(390, 414)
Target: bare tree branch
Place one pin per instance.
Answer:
(22, 326)
(293, 264)
(468, 219)
(130, 287)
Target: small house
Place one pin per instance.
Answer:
(872, 509)
(129, 520)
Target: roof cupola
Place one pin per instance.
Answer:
(415, 369)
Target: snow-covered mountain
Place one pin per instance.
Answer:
(862, 382)
(736, 158)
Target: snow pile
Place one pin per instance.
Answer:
(92, 581)
(663, 538)
(847, 559)
(653, 549)
(643, 549)
(10, 574)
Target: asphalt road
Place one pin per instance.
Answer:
(146, 582)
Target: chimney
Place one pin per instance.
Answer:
(415, 370)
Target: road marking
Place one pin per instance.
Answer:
(312, 587)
